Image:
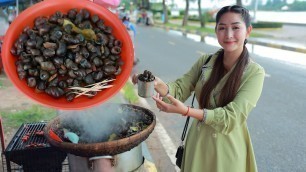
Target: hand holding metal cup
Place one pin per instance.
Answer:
(145, 84)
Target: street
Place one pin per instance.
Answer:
(276, 125)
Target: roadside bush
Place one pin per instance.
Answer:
(209, 17)
(297, 6)
(267, 25)
(176, 17)
(154, 11)
(193, 18)
(182, 12)
(157, 15)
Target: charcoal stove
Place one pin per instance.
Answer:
(29, 149)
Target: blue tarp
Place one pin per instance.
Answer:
(7, 2)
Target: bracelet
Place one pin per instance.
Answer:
(187, 111)
(204, 116)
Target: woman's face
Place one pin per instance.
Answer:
(231, 32)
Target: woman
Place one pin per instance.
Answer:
(132, 32)
(130, 27)
(227, 89)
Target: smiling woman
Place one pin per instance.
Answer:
(227, 88)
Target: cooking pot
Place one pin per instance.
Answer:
(127, 161)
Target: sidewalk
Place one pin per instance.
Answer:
(289, 37)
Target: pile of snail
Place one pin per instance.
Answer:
(67, 50)
(146, 76)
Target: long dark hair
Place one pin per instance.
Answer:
(231, 87)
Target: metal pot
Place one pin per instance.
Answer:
(127, 161)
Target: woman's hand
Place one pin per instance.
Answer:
(160, 87)
(135, 78)
(176, 106)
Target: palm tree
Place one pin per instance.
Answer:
(238, 2)
(148, 4)
(144, 4)
(201, 17)
(165, 12)
(185, 20)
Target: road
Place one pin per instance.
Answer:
(277, 124)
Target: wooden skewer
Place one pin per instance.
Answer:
(85, 88)
(85, 91)
(104, 81)
(92, 87)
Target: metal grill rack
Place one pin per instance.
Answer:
(30, 152)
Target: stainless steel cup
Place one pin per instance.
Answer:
(145, 89)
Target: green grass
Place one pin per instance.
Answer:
(129, 93)
(13, 120)
(259, 35)
(1, 85)
(206, 30)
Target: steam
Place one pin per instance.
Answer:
(98, 123)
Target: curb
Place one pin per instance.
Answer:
(251, 40)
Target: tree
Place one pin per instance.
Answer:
(165, 12)
(148, 4)
(185, 20)
(144, 4)
(201, 17)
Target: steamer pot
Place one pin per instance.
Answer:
(127, 161)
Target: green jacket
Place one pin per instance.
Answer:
(222, 143)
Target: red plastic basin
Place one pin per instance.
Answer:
(47, 8)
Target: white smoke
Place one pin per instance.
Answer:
(97, 124)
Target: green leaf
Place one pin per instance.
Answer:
(89, 34)
(112, 137)
(134, 128)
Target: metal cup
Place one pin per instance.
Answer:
(145, 89)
